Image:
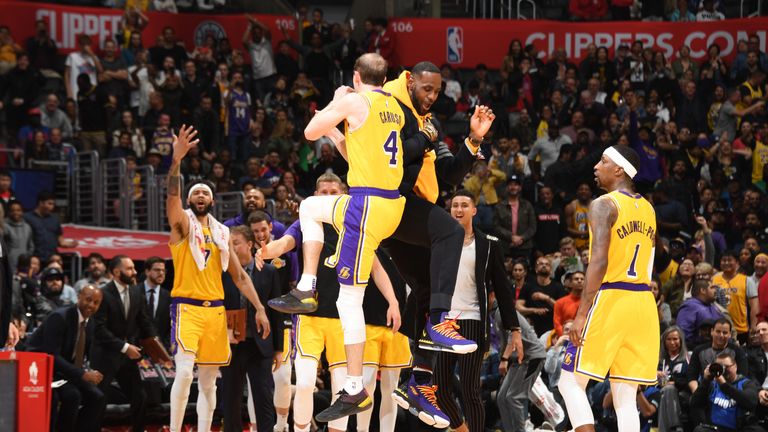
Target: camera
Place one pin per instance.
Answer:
(716, 369)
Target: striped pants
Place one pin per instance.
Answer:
(469, 381)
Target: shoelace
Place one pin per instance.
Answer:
(429, 393)
(448, 328)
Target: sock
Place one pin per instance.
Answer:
(354, 384)
(422, 376)
(436, 315)
(282, 422)
(307, 282)
(298, 429)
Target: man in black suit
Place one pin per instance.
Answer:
(254, 356)
(11, 338)
(158, 298)
(120, 322)
(66, 334)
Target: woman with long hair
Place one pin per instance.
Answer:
(128, 124)
(678, 289)
(519, 275)
(673, 366)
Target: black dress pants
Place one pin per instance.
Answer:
(248, 360)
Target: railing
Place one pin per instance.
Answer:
(142, 198)
(228, 205)
(8, 158)
(85, 185)
(162, 190)
(750, 14)
(113, 197)
(73, 266)
(62, 184)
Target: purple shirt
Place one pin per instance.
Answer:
(692, 313)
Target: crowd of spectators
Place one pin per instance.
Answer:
(700, 128)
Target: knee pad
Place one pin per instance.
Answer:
(206, 377)
(306, 374)
(185, 365)
(310, 212)
(350, 307)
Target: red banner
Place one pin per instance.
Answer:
(67, 22)
(34, 372)
(467, 42)
(139, 245)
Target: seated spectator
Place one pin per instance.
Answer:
(568, 261)
(128, 125)
(96, 273)
(82, 403)
(53, 290)
(680, 287)
(482, 185)
(704, 355)
(566, 307)
(60, 151)
(37, 149)
(17, 234)
(725, 396)
(53, 117)
(672, 373)
(329, 162)
(220, 177)
(556, 354)
(665, 315)
(698, 309)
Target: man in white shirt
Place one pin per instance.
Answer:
(708, 12)
(79, 62)
(258, 41)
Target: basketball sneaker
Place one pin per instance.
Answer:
(295, 302)
(345, 405)
(444, 337)
(421, 401)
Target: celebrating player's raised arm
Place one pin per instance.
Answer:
(346, 103)
(174, 209)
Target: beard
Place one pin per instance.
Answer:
(416, 104)
(125, 279)
(203, 212)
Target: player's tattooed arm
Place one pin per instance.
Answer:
(602, 215)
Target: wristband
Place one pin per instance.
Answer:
(475, 143)
(505, 359)
(514, 329)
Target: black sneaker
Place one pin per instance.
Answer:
(345, 405)
(295, 302)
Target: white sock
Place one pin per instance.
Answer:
(354, 384)
(307, 282)
(304, 429)
(282, 422)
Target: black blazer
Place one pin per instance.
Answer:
(57, 336)
(490, 276)
(161, 316)
(113, 329)
(6, 293)
(267, 284)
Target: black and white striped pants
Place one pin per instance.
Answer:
(469, 380)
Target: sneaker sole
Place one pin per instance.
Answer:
(329, 418)
(292, 310)
(457, 349)
(403, 403)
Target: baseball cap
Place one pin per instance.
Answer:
(514, 178)
(52, 273)
(154, 151)
(34, 111)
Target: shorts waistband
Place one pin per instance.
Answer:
(381, 193)
(196, 302)
(625, 286)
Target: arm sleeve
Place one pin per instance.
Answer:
(102, 335)
(452, 168)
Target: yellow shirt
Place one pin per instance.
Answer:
(374, 148)
(580, 222)
(736, 292)
(669, 272)
(759, 159)
(188, 280)
(633, 237)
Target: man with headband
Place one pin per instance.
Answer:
(606, 338)
(200, 247)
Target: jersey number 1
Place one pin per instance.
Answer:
(390, 147)
(632, 272)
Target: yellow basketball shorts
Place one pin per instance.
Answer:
(621, 335)
(363, 219)
(287, 346)
(200, 328)
(315, 334)
(386, 350)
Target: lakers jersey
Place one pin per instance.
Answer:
(374, 149)
(190, 282)
(580, 222)
(633, 237)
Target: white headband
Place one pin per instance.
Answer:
(621, 161)
(199, 186)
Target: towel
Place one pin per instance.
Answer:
(220, 234)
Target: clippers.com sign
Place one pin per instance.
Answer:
(468, 42)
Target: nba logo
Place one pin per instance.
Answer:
(455, 45)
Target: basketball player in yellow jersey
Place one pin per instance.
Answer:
(200, 248)
(616, 329)
(369, 214)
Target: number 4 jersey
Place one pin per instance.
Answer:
(374, 148)
(633, 239)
